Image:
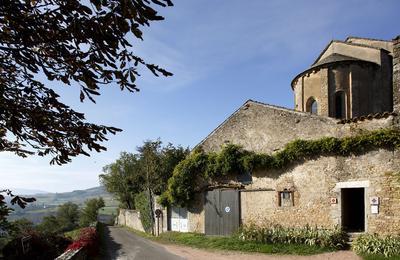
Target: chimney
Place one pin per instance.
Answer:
(396, 74)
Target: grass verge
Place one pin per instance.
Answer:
(380, 257)
(231, 243)
(73, 234)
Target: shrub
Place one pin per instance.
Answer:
(88, 240)
(142, 203)
(42, 246)
(276, 234)
(376, 245)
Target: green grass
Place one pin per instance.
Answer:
(380, 257)
(109, 211)
(231, 243)
(73, 234)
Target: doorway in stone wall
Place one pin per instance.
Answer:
(353, 209)
(222, 212)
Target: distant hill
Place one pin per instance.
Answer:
(76, 196)
(18, 191)
(47, 203)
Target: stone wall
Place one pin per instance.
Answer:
(315, 85)
(365, 76)
(196, 215)
(396, 74)
(381, 44)
(264, 128)
(367, 88)
(130, 218)
(314, 182)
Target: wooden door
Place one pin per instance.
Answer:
(222, 212)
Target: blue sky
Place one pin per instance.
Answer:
(222, 53)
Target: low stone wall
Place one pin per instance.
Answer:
(130, 218)
(78, 254)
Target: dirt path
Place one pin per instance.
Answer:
(198, 254)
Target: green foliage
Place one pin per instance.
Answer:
(123, 179)
(50, 225)
(233, 243)
(73, 234)
(276, 234)
(21, 227)
(183, 181)
(375, 245)
(66, 219)
(170, 156)
(5, 210)
(149, 169)
(142, 202)
(33, 117)
(203, 167)
(68, 216)
(90, 211)
(43, 246)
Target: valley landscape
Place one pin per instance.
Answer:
(46, 203)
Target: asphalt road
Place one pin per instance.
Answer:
(123, 245)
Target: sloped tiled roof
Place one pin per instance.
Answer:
(346, 43)
(368, 117)
(335, 57)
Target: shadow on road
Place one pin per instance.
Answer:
(109, 248)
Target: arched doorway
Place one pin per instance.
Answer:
(340, 105)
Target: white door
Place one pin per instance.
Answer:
(179, 220)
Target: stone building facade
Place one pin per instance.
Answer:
(349, 79)
(360, 193)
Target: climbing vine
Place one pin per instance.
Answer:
(201, 166)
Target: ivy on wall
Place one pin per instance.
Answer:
(201, 166)
(142, 203)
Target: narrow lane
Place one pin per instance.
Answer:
(124, 245)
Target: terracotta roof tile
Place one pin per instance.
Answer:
(367, 117)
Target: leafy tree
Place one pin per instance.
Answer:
(123, 179)
(158, 163)
(150, 169)
(5, 210)
(66, 219)
(50, 224)
(68, 216)
(90, 211)
(21, 226)
(170, 157)
(70, 42)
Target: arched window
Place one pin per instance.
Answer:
(312, 106)
(340, 104)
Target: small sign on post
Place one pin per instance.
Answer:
(158, 213)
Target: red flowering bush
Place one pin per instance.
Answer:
(88, 240)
